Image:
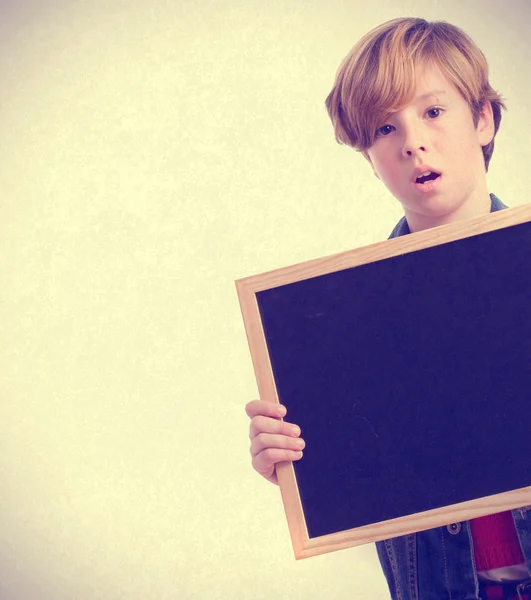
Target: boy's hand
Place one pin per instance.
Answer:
(272, 440)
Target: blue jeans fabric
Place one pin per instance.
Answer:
(438, 563)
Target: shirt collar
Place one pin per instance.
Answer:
(402, 228)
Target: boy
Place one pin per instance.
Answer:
(413, 97)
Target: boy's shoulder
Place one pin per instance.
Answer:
(402, 228)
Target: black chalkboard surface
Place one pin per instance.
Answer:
(409, 375)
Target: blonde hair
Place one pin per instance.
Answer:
(378, 76)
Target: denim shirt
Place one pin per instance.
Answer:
(439, 563)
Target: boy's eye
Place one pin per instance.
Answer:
(431, 112)
(383, 130)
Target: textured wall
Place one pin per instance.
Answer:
(152, 153)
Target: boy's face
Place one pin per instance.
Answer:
(436, 130)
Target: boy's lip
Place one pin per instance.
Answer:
(422, 169)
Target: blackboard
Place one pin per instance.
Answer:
(409, 373)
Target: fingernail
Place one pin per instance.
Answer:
(300, 442)
(298, 454)
(295, 431)
(282, 410)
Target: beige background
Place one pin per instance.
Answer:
(152, 153)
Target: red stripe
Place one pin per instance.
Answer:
(496, 542)
(496, 592)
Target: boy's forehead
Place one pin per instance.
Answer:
(430, 79)
(428, 83)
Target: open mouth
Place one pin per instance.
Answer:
(429, 176)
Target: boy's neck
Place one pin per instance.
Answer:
(478, 205)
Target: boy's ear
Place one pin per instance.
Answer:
(372, 166)
(485, 127)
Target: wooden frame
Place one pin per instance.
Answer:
(400, 250)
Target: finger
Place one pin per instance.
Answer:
(265, 408)
(263, 424)
(263, 441)
(264, 463)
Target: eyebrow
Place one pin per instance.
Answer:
(429, 94)
(435, 93)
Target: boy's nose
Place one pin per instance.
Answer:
(413, 142)
(409, 151)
